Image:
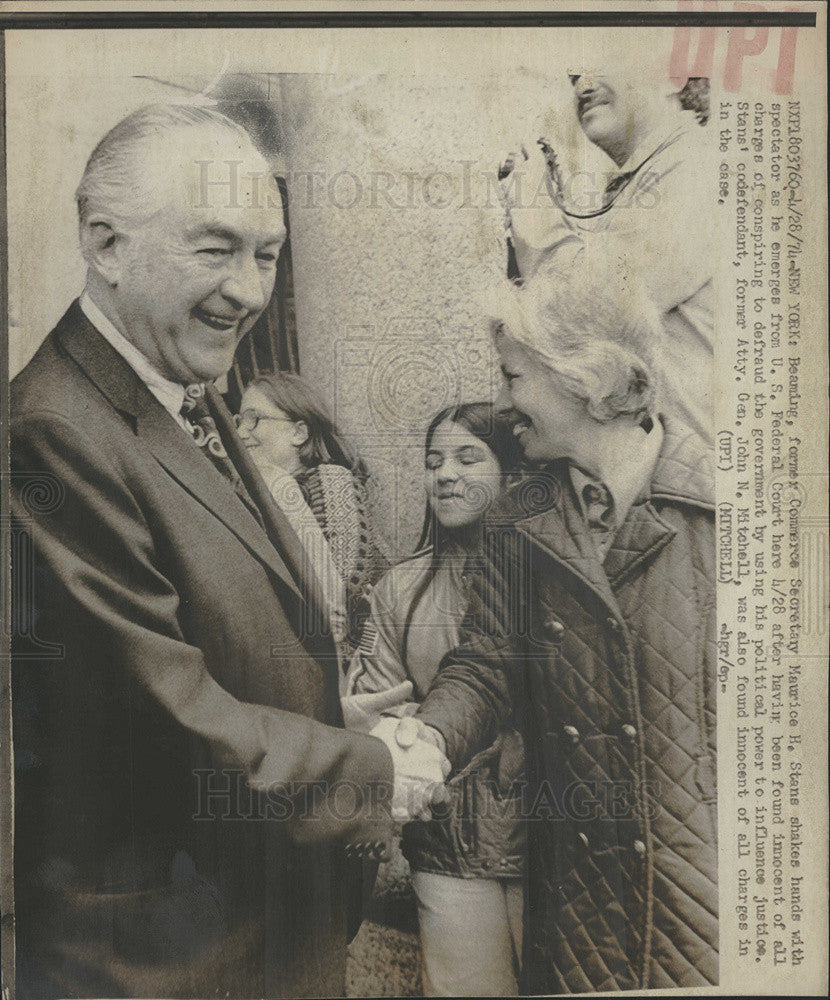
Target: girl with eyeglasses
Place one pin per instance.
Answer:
(294, 442)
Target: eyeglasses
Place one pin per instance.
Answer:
(248, 420)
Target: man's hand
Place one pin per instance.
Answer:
(420, 768)
(507, 183)
(532, 220)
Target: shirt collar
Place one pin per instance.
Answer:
(629, 479)
(169, 394)
(664, 133)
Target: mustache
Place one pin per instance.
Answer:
(590, 100)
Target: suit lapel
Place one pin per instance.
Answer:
(102, 364)
(183, 460)
(170, 445)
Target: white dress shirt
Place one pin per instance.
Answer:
(169, 394)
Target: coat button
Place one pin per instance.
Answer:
(572, 733)
(639, 848)
(629, 732)
(555, 629)
(583, 838)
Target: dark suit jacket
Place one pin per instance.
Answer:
(176, 746)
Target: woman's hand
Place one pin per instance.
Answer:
(363, 711)
(410, 730)
(420, 769)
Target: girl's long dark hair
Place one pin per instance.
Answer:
(297, 399)
(482, 421)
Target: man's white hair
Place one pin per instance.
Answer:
(113, 181)
(601, 337)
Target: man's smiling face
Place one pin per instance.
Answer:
(614, 110)
(197, 272)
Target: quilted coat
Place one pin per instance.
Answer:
(611, 669)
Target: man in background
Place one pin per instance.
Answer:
(652, 221)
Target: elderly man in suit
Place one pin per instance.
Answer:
(184, 788)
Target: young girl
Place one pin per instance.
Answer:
(293, 440)
(467, 866)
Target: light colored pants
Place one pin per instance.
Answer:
(471, 934)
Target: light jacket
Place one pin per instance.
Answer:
(478, 834)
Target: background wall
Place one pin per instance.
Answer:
(390, 146)
(397, 234)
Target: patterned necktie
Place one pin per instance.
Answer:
(202, 426)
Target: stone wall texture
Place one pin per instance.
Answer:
(397, 235)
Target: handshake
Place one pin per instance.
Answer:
(421, 766)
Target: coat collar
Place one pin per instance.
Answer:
(561, 531)
(685, 470)
(175, 452)
(101, 363)
(683, 475)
